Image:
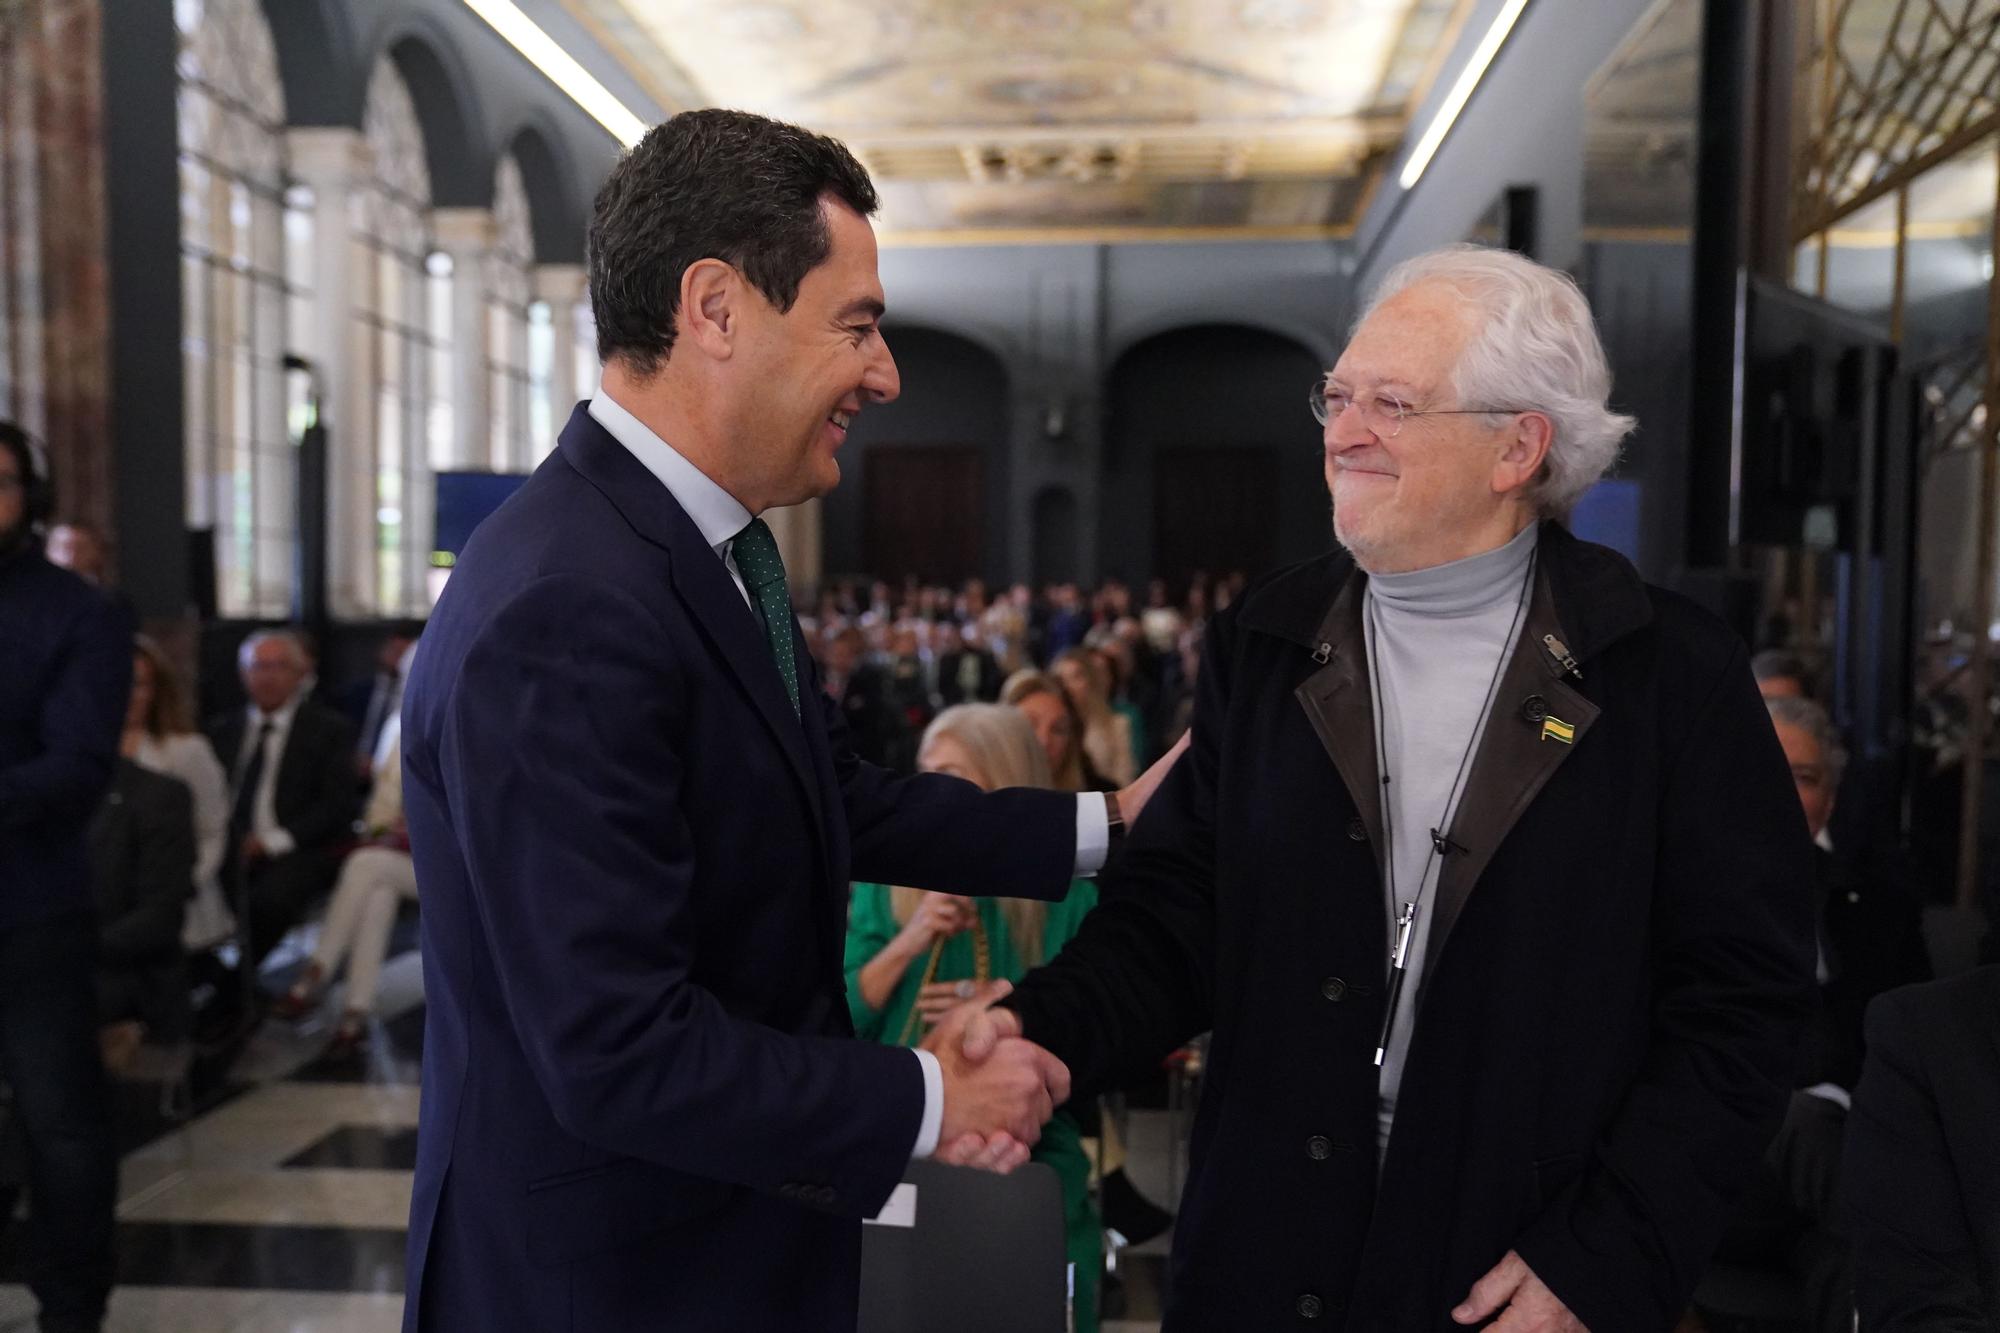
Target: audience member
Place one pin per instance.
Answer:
(84, 550)
(142, 860)
(966, 672)
(1781, 674)
(375, 880)
(371, 702)
(912, 955)
(909, 696)
(1869, 940)
(1107, 735)
(291, 789)
(160, 736)
(858, 686)
(1922, 1170)
(1058, 727)
(67, 678)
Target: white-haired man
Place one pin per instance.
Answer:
(1483, 869)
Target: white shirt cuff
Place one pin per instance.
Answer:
(1093, 833)
(278, 842)
(933, 1123)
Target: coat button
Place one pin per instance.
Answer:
(1310, 1306)
(1535, 708)
(1334, 989)
(1357, 830)
(1319, 1147)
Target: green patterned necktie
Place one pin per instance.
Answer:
(763, 571)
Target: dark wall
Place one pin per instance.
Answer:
(1210, 386)
(1640, 295)
(954, 393)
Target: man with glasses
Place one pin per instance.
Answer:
(1483, 870)
(65, 673)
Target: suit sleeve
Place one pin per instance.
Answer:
(1916, 1267)
(560, 747)
(329, 815)
(1138, 979)
(162, 814)
(934, 832)
(1732, 922)
(77, 728)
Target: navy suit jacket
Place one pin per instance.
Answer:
(643, 1107)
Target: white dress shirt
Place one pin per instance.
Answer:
(720, 516)
(277, 840)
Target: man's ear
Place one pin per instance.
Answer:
(1524, 454)
(711, 309)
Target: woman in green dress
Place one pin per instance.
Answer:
(912, 955)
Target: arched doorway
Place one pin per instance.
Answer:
(1211, 455)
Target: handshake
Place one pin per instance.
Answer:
(999, 1088)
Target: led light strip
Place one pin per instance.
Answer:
(1461, 92)
(546, 54)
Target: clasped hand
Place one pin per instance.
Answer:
(999, 1089)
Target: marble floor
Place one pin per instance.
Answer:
(281, 1207)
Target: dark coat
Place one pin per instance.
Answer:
(1921, 1179)
(65, 679)
(1621, 963)
(142, 854)
(951, 672)
(643, 1107)
(314, 798)
(1872, 932)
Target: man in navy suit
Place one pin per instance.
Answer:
(635, 814)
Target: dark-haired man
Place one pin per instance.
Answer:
(635, 813)
(65, 672)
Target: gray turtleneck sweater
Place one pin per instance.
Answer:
(1435, 638)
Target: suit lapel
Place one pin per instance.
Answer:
(1538, 720)
(733, 630)
(1339, 701)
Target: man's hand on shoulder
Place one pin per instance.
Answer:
(999, 1089)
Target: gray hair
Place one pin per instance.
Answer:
(248, 649)
(1810, 718)
(1537, 346)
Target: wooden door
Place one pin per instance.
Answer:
(923, 512)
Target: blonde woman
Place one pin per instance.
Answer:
(1058, 726)
(1107, 733)
(160, 736)
(913, 955)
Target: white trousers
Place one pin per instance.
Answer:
(372, 882)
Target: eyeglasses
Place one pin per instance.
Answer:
(1384, 414)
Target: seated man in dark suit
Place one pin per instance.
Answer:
(142, 856)
(966, 672)
(291, 776)
(1870, 939)
(862, 692)
(1922, 1197)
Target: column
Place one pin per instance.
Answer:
(337, 166)
(563, 287)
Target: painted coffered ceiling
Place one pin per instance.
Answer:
(1013, 116)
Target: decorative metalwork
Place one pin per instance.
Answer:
(1953, 387)
(1887, 88)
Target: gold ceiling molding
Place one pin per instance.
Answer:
(1134, 99)
(972, 236)
(1887, 89)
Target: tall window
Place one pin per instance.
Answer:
(509, 288)
(241, 466)
(404, 306)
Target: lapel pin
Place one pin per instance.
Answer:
(1555, 729)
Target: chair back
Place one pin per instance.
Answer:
(968, 1251)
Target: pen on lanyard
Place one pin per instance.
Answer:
(1397, 970)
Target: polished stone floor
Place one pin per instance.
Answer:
(281, 1208)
